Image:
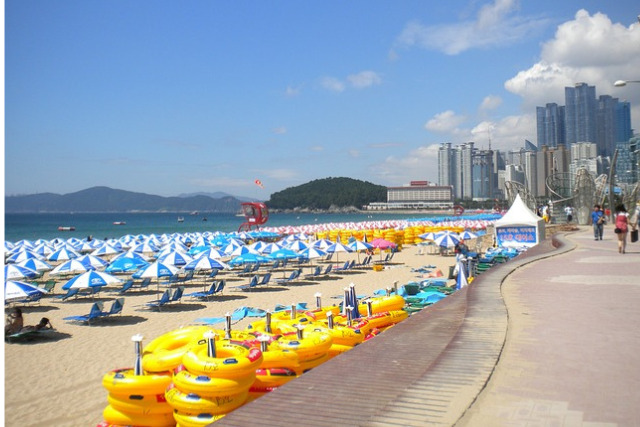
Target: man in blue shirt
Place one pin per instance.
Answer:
(597, 219)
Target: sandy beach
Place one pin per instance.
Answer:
(57, 381)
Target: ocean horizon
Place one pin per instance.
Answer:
(33, 226)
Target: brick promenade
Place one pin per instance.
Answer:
(550, 338)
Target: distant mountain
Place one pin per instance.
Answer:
(219, 195)
(104, 199)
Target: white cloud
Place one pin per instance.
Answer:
(418, 164)
(332, 84)
(292, 92)
(354, 153)
(444, 122)
(281, 130)
(496, 24)
(317, 148)
(491, 102)
(364, 79)
(505, 134)
(590, 49)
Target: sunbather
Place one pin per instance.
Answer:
(44, 324)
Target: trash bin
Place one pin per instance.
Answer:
(451, 269)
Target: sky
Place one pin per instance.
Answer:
(180, 97)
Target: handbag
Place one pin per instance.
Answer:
(617, 230)
(634, 236)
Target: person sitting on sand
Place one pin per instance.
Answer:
(14, 322)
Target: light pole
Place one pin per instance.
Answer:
(620, 83)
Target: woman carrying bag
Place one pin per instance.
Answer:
(622, 227)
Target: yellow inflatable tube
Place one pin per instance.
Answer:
(123, 381)
(165, 352)
(190, 420)
(206, 386)
(114, 416)
(140, 404)
(313, 344)
(233, 359)
(192, 403)
(382, 304)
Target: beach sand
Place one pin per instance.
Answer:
(58, 381)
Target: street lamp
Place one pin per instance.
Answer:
(620, 83)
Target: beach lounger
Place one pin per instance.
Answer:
(316, 272)
(95, 313)
(73, 292)
(249, 286)
(177, 294)
(29, 334)
(49, 286)
(216, 288)
(116, 308)
(295, 275)
(265, 279)
(164, 299)
(125, 287)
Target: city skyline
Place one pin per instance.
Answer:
(165, 99)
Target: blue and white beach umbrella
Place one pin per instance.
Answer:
(93, 261)
(155, 270)
(359, 245)
(15, 272)
(91, 279)
(446, 239)
(177, 259)
(20, 290)
(467, 235)
(284, 254)
(72, 266)
(35, 264)
(125, 264)
(63, 254)
(322, 244)
(243, 250)
(22, 255)
(205, 263)
(338, 247)
(297, 245)
(249, 259)
(270, 248)
(312, 253)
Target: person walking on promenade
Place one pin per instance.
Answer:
(597, 219)
(622, 227)
(569, 211)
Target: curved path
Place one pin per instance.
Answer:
(549, 338)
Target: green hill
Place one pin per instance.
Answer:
(328, 193)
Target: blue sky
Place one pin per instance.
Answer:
(172, 97)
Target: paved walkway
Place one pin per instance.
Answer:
(572, 354)
(548, 339)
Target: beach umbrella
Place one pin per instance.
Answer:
(242, 250)
(205, 263)
(140, 258)
(382, 244)
(92, 261)
(322, 244)
(270, 248)
(428, 236)
(359, 246)
(175, 258)
(336, 248)
(20, 290)
(312, 253)
(85, 247)
(209, 252)
(248, 258)
(43, 249)
(145, 248)
(284, 254)
(467, 235)
(91, 279)
(35, 264)
(63, 254)
(106, 249)
(72, 266)
(15, 272)
(446, 239)
(156, 270)
(297, 245)
(22, 255)
(125, 264)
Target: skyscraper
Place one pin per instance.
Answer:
(580, 113)
(550, 125)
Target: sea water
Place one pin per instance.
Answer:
(101, 225)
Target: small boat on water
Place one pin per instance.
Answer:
(119, 223)
(66, 228)
(195, 213)
(180, 219)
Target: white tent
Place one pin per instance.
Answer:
(519, 226)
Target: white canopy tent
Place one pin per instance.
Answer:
(519, 226)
